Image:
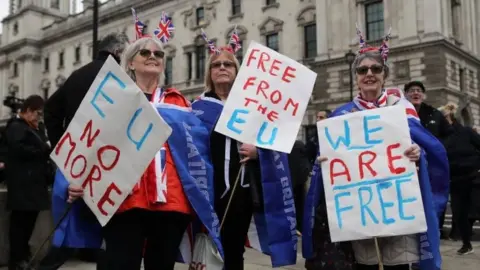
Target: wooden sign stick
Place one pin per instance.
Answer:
(379, 255)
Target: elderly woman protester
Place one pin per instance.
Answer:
(398, 252)
(151, 222)
(241, 172)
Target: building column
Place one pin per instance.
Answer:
(408, 27)
(322, 28)
(432, 14)
(194, 65)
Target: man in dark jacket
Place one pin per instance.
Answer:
(60, 110)
(431, 118)
(26, 176)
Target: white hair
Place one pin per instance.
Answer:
(133, 49)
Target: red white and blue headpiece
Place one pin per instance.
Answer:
(233, 44)
(383, 49)
(163, 32)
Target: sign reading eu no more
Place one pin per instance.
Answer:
(371, 187)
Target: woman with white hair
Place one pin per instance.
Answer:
(463, 149)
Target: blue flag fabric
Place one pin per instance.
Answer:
(276, 227)
(434, 180)
(189, 145)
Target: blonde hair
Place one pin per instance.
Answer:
(208, 72)
(133, 49)
(449, 109)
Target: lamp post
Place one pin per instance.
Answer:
(350, 58)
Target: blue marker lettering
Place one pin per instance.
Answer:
(402, 201)
(344, 139)
(384, 204)
(368, 131)
(364, 206)
(272, 136)
(139, 143)
(236, 119)
(99, 91)
(339, 209)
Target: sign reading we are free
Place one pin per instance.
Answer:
(371, 187)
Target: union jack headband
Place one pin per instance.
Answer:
(232, 47)
(383, 49)
(163, 32)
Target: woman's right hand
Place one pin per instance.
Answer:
(321, 159)
(74, 192)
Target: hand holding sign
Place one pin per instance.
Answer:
(371, 186)
(268, 100)
(110, 141)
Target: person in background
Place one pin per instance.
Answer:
(432, 119)
(299, 171)
(26, 177)
(59, 111)
(312, 141)
(463, 148)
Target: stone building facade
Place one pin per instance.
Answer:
(434, 41)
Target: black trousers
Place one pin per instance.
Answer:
(136, 234)
(299, 199)
(22, 224)
(460, 192)
(385, 267)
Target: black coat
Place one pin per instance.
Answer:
(63, 104)
(299, 164)
(434, 121)
(26, 168)
(463, 150)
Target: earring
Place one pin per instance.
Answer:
(132, 69)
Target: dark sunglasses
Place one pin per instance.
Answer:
(376, 69)
(147, 53)
(226, 64)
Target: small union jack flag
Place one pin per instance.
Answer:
(211, 46)
(384, 50)
(139, 26)
(165, 29)
(235, 40)
(361, 41)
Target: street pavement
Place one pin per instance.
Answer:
(257, 261)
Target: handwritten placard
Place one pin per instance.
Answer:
(111, 140)
(268, 100)
(371, 187)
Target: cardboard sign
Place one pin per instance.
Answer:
(111, 140)
(371, 187)
(268, 100)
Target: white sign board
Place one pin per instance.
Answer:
(112, 138)
(371, 187)
(268, 100)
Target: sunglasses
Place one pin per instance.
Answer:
(226, 64)
(147, 53)
(376, 69)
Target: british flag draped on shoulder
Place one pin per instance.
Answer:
(273, 231)
(433, 169)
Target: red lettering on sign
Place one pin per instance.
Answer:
(272, 116)
(368, 164)
(262, 109)
(287, 74)
(84, 166)
(106, 198)
(274, 66)
(90, 139)
(94, 175)
(248, 100)
(292, 103)
(391, 158)
(250, 81)
(100, 152)
(264, 57)
(251, 57)
(276, 97)
(72, 144)
(334, 174)
(262, 87)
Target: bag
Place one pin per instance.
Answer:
(205, 254)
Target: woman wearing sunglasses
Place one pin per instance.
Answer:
(397, 252)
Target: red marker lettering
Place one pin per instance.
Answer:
(367, 164)
(249, 82)
(115, 160)
(392, 158)
(262, 109)
(291, 102)
(274, 66)
(251, 57)
(72, 144)
(94, 175)
(272, 116)
(90, 139)
(106, 198)
(261, 87)
(287, 75)
(84, 167)
(264, 57)
(336, 174)
(248, 100)
(276, 97)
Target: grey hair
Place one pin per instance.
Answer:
(373, 55)
(113, 43)
(133, 49)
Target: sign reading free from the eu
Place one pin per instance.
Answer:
(371, 187)
(113, 136)
(268, 100)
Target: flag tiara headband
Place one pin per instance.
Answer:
(233, 45)
(383, 49)
(163, 32)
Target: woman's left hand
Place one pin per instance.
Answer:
(248, 151)
(413, 153)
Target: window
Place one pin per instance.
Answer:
(461, 77)
(168, 70)
(55, 4)
(46, 64)
(60, 60)
(19, 4)
(78, 54)
(200, 16)
(189, 64)
(15, 28)
(236, 7)
(272, 41)
(239, 53)
(15, 70)
(374, 18)
(270, 2)
(200, 61)
(310, 40)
